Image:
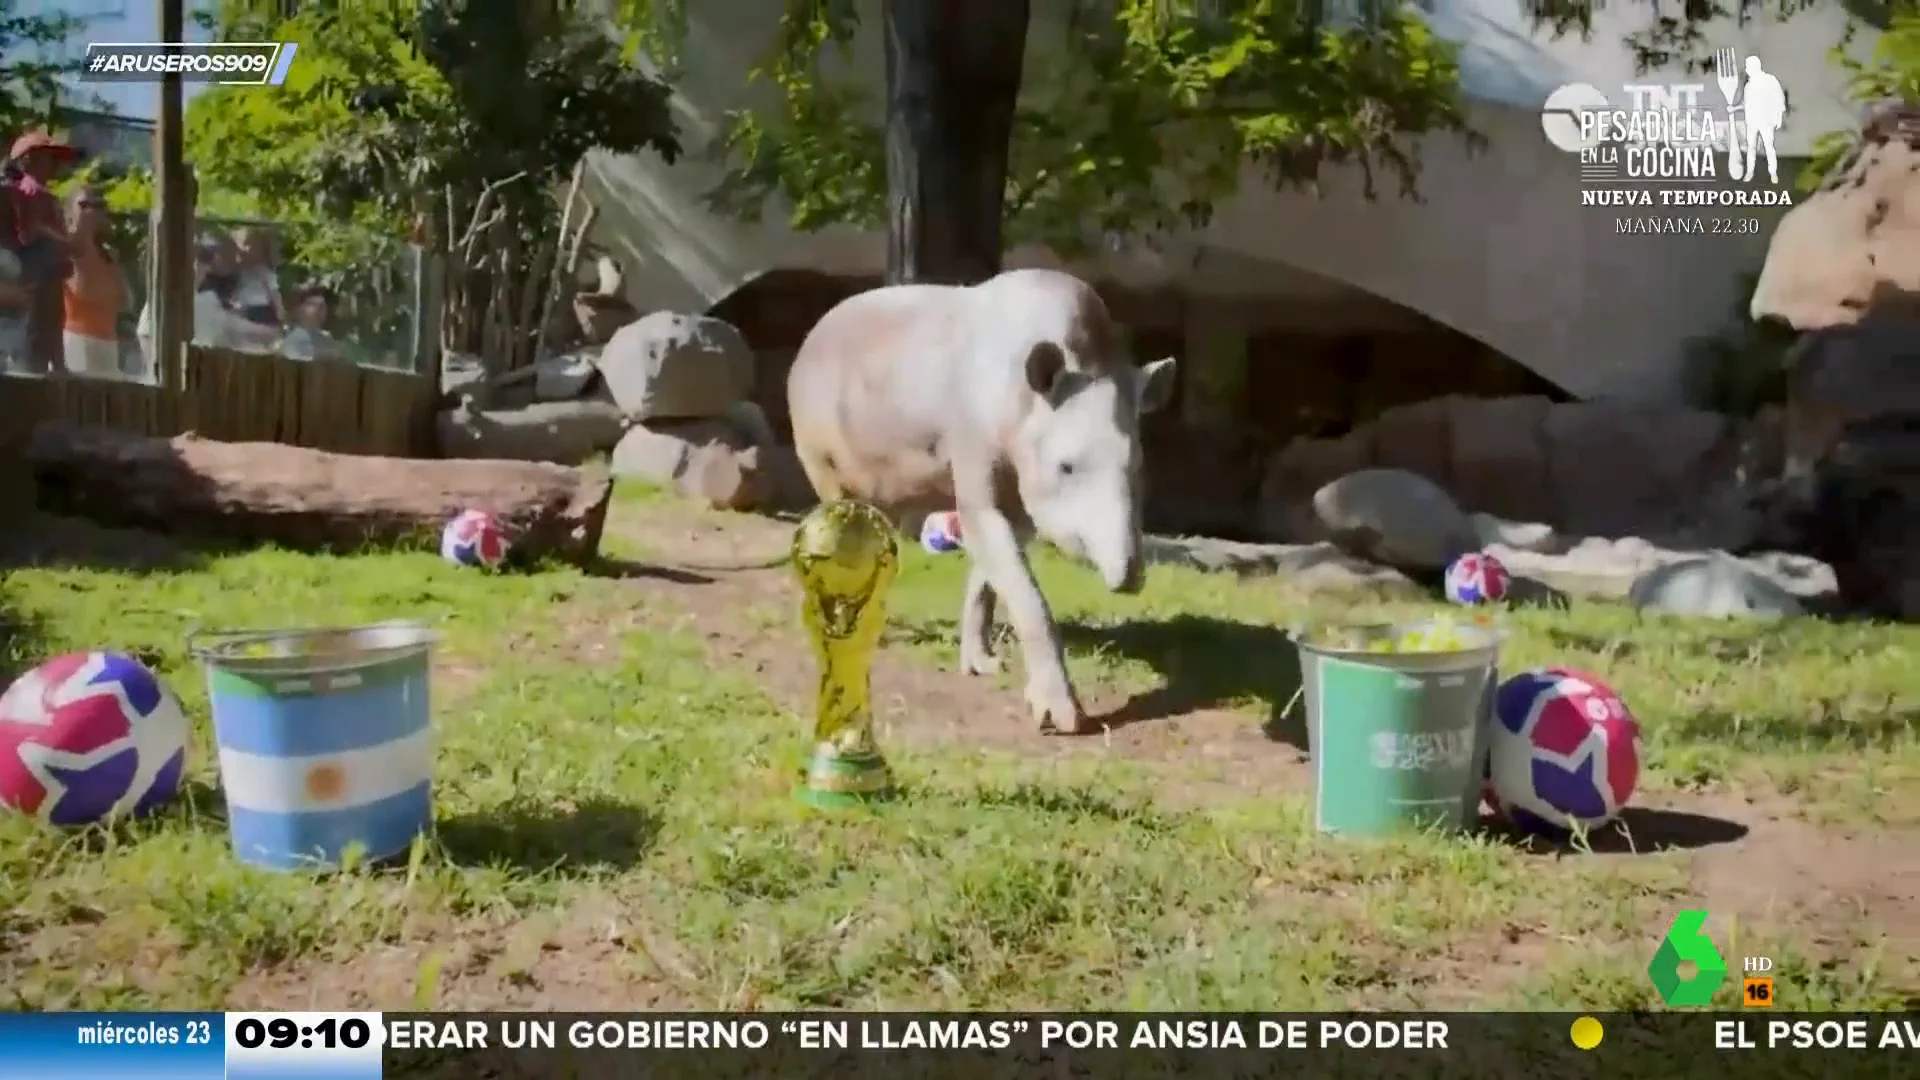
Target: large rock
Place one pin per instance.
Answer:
(1626, 468)
(1608, 568)
(1864, 517)
(1201, 483)
(1395, 517)
(1846, 375)
(566, 376)
(1855, 242)
(1285, 510)
(709, 460)
(1308, 567)
(1500, 462)
(563, 432)
(1716, 586)
(1679, 475)
(669, 366)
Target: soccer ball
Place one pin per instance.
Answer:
(474, 538)
(89, 736)
(940, 533)
(1564, 751)
(1477, 579)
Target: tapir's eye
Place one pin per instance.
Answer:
(1066, 468)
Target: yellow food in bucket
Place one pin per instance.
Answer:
(1440, 635)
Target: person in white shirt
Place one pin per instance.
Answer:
(214, 323)
(256, 283)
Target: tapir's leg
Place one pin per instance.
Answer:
(976, 624)
(976, 614)
(820, 473)
(997, 554)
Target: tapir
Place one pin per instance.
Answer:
(1012, 401)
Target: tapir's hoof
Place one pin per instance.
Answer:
(979, 662)
(1054, 711)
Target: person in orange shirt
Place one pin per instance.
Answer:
(96, 292)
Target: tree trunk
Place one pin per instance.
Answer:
(953, 77)
(310, 499)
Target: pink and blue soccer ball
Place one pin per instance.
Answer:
(1477, 578)
(1564, 752)
(940, 533)
(474, 538)
(89, 736)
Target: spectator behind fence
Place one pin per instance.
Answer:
(95, 291)
(35, 231)
(256, 293)
(309, 340)
(215, 325)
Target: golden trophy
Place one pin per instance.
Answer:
(846, 556)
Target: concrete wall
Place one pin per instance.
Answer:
(1499, 249)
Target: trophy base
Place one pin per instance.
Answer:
(835, 781)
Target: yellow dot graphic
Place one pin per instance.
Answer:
(1587, 1033)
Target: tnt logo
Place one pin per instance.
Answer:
(1756, 989)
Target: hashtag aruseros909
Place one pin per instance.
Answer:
(251, 62)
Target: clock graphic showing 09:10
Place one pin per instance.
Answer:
(309, 1045)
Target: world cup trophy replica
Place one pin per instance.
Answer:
(846, 556)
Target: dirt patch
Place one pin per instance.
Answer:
(585, 958)
(1833, 890)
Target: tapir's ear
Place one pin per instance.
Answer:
(1156, 385)
(1045, 364)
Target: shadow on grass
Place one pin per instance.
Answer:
(1206, 663)
(23, 641)
(630, 569)
(1639, 830)
(596, 834)
(48, 540)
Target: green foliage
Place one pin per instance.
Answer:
(1139, 120)
(1892, 74)
(397, 118)
(1677, 35)
(390, 106)
(33, 57)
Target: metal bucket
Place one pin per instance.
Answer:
(325, 739)
(1398, 740)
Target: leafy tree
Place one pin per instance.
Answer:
(454, 121)
(1141, 119)
(32, 61)
(1892, 74)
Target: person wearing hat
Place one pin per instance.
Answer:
(33, 228)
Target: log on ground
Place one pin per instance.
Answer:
(309, 499)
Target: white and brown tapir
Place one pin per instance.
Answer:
(1013, 401)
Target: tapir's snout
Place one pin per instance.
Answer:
(1128, 575)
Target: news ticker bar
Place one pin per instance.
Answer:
(369, 1046)
(229, 63)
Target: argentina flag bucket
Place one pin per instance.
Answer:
(325, 739)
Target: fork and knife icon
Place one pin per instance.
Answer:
(1726, 73)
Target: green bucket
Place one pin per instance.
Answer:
(1398, 740)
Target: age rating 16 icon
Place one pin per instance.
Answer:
(1688, 969)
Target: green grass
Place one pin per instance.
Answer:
(593, 762)
(1824, 710)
